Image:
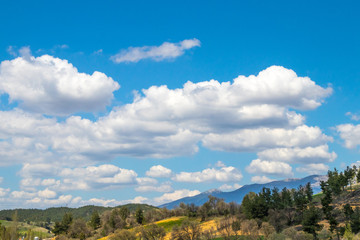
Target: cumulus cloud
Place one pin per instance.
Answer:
(258, 166)
(299, 155)
(142, 181)
(97, 177)
(63, 200)
(313, 168)
(254, 113)
(159, 171)
(4, 191)
(39, 170)
(224, 174)
(266, 138)
(166, 50)
(164, 123)
(169, 197)
(22, 194)
(46, 193)
(54, 86)
(261, 179)
(350, 133)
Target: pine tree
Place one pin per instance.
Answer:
(326, 206)
(311, 219)
(95, 221)
(139, 215)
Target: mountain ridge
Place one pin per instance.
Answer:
(238, 194)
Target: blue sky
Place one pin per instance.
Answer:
(185, 97)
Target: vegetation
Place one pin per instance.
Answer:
(269, 214)
(56, 214)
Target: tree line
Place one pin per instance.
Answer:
(269, 214)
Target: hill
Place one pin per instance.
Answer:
(56, 214)
(238, 195)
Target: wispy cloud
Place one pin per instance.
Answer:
(353, 116)
(166, 50)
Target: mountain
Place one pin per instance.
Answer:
(238, 195)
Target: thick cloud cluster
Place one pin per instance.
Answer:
(54, 86)
(250, 114)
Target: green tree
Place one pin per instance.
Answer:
(358, 176)
(276, 202)
(349, 174)
(327, 209)
(78, 229)
(309, 192)
(58, 229)
(286, 198)
(348, 235)
(355, 221)
(139, 216)
(95, 221)
(334, 181)
(63, 226)
(311, 219)
(124, 213)
(348, 211)
(13, 230)
(66, 221)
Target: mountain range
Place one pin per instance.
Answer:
(238, 194)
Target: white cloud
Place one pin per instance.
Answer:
(224, 174)
(258, 166)
(146, 181)
(166, 50)
(107, 202)
(357, 164)
(226, 187)
(100, 202)
(353, 116)
(4, 192)
(261, 179)
(138, 199)
(299, 155)
(220, 164)
(169, 197)
(313, 168)
(165, 123)
(30, 184)
(50, 182)
(350, 133)
(97, 177)
(39, 170)
(63, 200)
(265, 138)
(53, 86)
(46, 193)
(22, 194)
(159, 171)
(11, 51)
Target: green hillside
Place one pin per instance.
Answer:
(56, 214)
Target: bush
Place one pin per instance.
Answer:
(123, 235)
